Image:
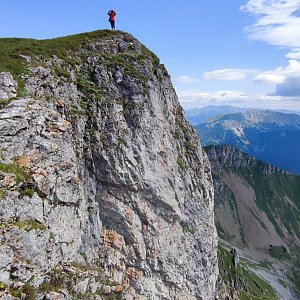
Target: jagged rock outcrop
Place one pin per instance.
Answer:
(229, 156)
(235, 257)
(8, 86)
(104, 189)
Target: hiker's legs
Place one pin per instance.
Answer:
(112, 23)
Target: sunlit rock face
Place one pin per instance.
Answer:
(104, 189)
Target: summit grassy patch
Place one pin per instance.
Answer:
(12, 48)
(68, 49)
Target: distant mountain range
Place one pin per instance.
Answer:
(197, 116)
(267, 135)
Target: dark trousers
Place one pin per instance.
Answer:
(112, 24)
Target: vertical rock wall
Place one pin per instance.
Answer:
(102, 176)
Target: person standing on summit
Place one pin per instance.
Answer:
(112, 15)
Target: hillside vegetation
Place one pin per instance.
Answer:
(257, 208)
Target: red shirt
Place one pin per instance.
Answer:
(112, 15)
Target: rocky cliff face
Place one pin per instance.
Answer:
(231, 157)
(105, 192)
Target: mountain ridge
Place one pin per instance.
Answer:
(197, 116)
(229, 156)
(268, 136)
(257, 212)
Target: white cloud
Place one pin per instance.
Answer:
(191, 96)
(287, 79)
(290, 87)
(187, 79)
(277, 76)
(270, 77)
(228, 74)
(191, 99)
(194, 98)
(294, 55)
(277, 23)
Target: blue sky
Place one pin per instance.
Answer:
(240, 52)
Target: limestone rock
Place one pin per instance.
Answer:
(235, 257)
(82, 286)
(8, 86)
(6, 258)
(110, 189)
